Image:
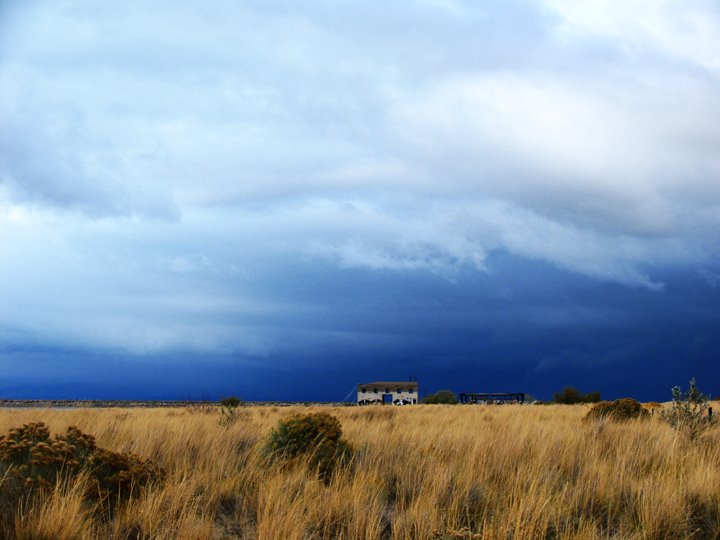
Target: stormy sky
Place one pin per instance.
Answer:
(280, 199)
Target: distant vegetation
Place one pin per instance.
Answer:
(447, 397)
(572, 396)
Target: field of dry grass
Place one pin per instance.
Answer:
(447, 472)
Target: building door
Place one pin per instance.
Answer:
(387, 399)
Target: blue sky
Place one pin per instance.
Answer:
(281, 200)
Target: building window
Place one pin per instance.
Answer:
(399, 390)
(410, 390)
(387, 390)
(375, 390)
(363, 390)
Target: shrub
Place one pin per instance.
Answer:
(690, 412)
(229, 413)
(30, 461)
(120, 475)
(620, 410)
(316, 437)
(446, 397)
(571, 396)
(231, 402)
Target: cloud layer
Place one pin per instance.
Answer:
(166, 170)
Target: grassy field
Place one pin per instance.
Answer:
(448, 472)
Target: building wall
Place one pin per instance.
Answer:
(370, 394)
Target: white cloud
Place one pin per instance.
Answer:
(171, 147)
(685, 31)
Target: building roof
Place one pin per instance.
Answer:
(388, 384)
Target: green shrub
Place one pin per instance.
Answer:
(446, 397)
(620, 410)
(30, 462)
(571, 396)
(690, 412)
(316, 437)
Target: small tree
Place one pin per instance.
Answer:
(571, 396)
(229, 413)
(446, 397)
(231, 402)
(690, 412)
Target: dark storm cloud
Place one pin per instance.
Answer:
(501, 329)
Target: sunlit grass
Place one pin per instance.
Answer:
(507, 471)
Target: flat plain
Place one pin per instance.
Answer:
(417, 472)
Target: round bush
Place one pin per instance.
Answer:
(619, 410)
(317, 437)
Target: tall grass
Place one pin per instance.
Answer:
(428, 472)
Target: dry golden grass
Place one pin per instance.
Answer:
(451, 472)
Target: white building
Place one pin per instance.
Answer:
(387, 393)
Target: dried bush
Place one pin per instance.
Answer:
(690, 412)
(316, 437)
(30, 462)
(620, 410)
(121, 475)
